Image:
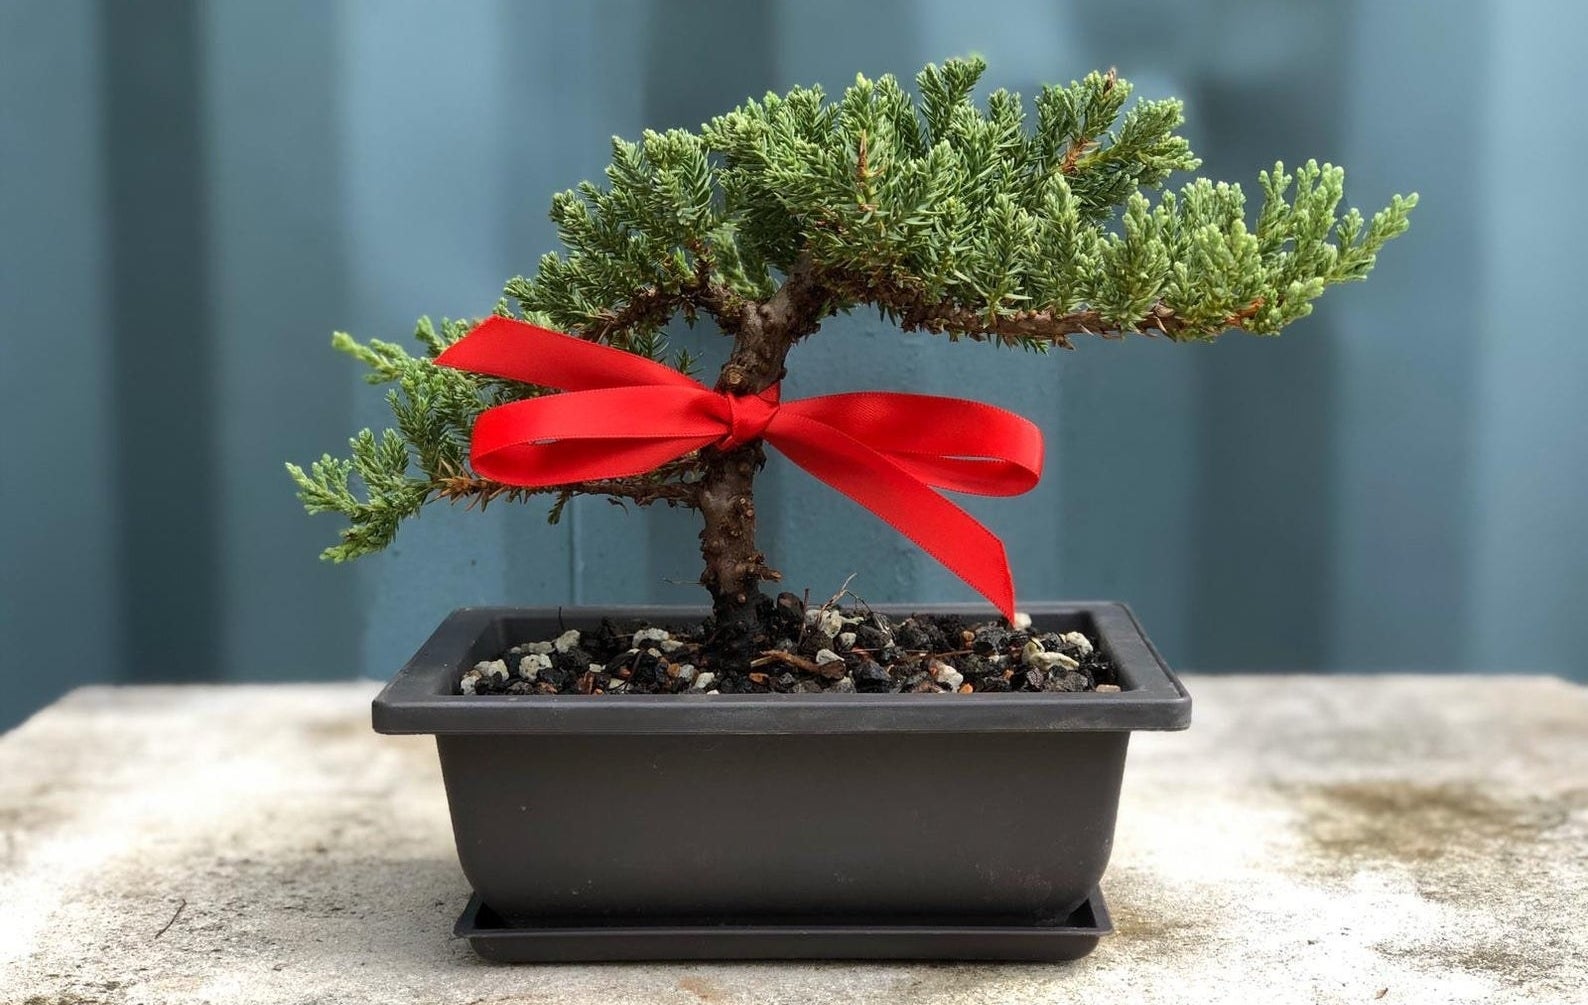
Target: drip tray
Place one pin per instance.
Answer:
(501, 942)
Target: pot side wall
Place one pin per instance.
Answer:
(1014, 826)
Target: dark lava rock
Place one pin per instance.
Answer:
(575, 660)
(990, 641)
(911, 634)
(557, 677)
(813, 643)
(1067, 680)
(951, 626)
(1052, 643)
(871, 678)
(975, 666)
(649, 671)
(608, 637)
(869, 636)
(788, 615)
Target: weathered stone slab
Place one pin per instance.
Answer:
(1311, 839)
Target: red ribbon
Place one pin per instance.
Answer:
(624, 415)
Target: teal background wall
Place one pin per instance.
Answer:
(193, 195)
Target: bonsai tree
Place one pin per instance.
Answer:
(976, 223)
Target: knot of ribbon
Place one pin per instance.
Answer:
(622, 415)
(748, 417)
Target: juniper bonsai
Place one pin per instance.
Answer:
(970, 222)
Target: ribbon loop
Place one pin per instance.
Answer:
(622, 415)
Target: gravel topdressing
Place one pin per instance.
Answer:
(801, 651)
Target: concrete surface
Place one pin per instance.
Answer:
(1311, 839)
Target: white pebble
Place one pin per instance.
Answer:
(1021, 621)
(1048, 661)
(1033, 655)
(671, 645)
(530, 666)
(946, 675)
(595, 668)
(826, 656)
(846, 639)
(1079, 642)
(687, 672)
(645, 635)
(492, 668)
(467, 684)
(704, 680)
(1108, 689)
(830, 623)
(567, 640)
(541, 648)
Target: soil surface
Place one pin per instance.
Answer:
(801, 651)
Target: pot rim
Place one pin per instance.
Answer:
(420, 698)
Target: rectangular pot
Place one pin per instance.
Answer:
(824, 809)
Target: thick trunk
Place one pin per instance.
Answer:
(735, 567)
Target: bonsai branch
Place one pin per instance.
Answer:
(1057, 328)
(767, 331)
(653, 306)
(662, 485)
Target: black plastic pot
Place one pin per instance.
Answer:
(786, 813)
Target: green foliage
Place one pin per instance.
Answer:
(936, 210)
(390, 477)
(978, 221)
(390, 494)
(434, 408)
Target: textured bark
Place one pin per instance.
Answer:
(735, 567)
(762, 336)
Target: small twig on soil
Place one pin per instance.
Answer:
(860, 602)
(175, 915)
(805, 624)
(843, 591)
(781, 656)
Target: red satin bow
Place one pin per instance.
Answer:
(625, 415)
